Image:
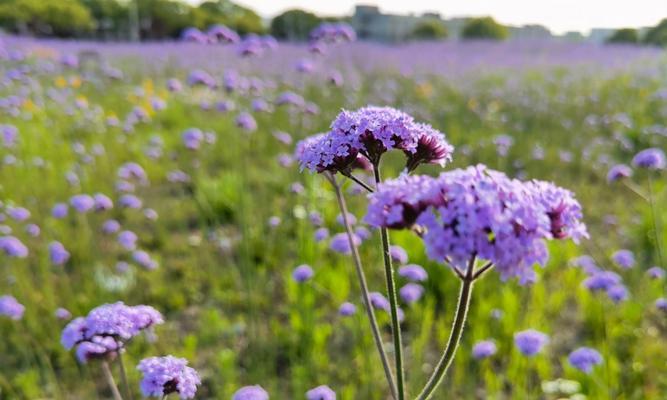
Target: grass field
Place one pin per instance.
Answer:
(226, 223)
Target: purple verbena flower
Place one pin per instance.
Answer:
(624, 258)
(618, 172)
(13, 247)
(655, 272)
(398, 254)
(484, 349)
(82, 202)
(530, 342)
(372, 131)
(413, 272)
(302, 273)
(346, 309)
(341, 244)
(322, 392)
(584, 359)
(411, 292)
(58, 254)
(255, 392)
(652, 158)
(10, 307)
(166, 375)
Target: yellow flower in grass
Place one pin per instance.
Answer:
(28, 105)
(61, 82)
(424, 90)
(75, 82)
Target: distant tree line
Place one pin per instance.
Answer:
(163, 19)
(656, 35)
(122, 19)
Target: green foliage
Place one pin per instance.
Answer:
(224, 281)
(657, 35)
(241, 19)
(625, 35)
(429, 30)
(484, 28)
(163, 18)
(64, 18)
(294, 24)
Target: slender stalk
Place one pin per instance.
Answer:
(393, 302)
(359, 182)
(635, 189)
(364, 286)
(112, 384)
(482, 270)
(656, 230)
(454, 336)
(123, 376)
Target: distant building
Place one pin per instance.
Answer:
(530, 32)
(600, 35)
(371, 23)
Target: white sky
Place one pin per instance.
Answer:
(558, 15)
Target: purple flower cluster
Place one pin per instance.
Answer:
(333, 33)
(254, 392)
(115, 321)
(322, 392)
(370, 132)
(10, 307)
(480, 212)
(584, 359)
(530, 342)
(13, 247)
(166, 375)
(618, 172)
(302, 273)
(652, 158)
(484, 349)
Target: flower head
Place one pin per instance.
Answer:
(10, 307)
(413, 272)
(652, 158)
(13, 247)
(624, 258)
(618, 172)
(166, 375)
(411, 292)
(346, 309)
(115, 320)
(370, 132)
(477, 212)
(58, 254)
(302, 273)
(340, 243)
(322, 392)
(484, 349)
(530, 342)
(255, 392)
(584, 359)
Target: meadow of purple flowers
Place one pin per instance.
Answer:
(227, 217)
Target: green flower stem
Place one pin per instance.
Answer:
(123, 376)
(393, 302)
(112, 384)
(454, 336)
(375, 329)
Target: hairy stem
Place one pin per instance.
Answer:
(364, 286)
(454, 336)
(123, 376)
(393, 302)
(654, 215)
(112, 384)
(359, 182)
